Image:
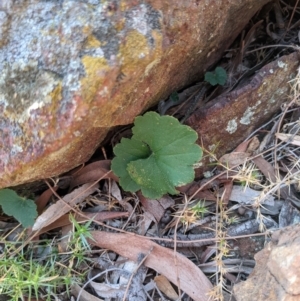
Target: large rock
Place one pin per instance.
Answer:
(71, 70)
(276, 276)
(230, 118)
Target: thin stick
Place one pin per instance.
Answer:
(134, 272)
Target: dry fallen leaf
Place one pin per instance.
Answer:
(174, 266)
(108, 290)
(116, 191)
(156, 207)
(146, 220)
(266, 168)
(192, 188)
(227, 192)
(234, 159)
(269, 172)
(165, 287)
(93, 172)
(253, 145)
(292, 139)
(247, 195)
(44, 198)
(63, 243)
(241, 148)
(248, 146)
(95, 216)
(63, 206)
(84, 295)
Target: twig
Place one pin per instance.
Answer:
(96, 276)
(134, 272)
(290, 21)
(175, 246)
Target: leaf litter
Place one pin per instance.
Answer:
(173, 248)
(157, 229)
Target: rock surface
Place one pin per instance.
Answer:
(71, 70)
(228, 120)
(276, 276)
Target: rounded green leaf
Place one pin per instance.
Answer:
(151, 178)
(23, 210)
(211, 78)
(166, 161)
(126, 151)
(221, 75)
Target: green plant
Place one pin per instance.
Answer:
(81, 234)
(24, 277)
(159, 156)
(39, 270)
(218, 77)
(200, 209)
(22, 209)
(191, 214)
(174, 97)
(222, 251)
(249, 176)
(79, 245)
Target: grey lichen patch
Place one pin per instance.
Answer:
(249, 113)
(279, 93)
(44, 45)
(44, 49)
(15, 89)
(282, 91)
(107, 36)
(144, 18)
(282, 65)
(12, 136)
(231, 126)
(53, 35)
(246, 119)
(212, 147)
(16, 149)
(22, 87)
(272, 100)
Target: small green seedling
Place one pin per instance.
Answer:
(200, 209)
(82, 233)
(159, 156)
(22, 209)
(174, 97)
(218, 77)
(79, 245)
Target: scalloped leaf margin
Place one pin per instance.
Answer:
(22, 209)
(159, 156)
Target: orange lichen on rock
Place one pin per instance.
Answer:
(133, 52)
(96, 69)
(72, 72)
(92, 42)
